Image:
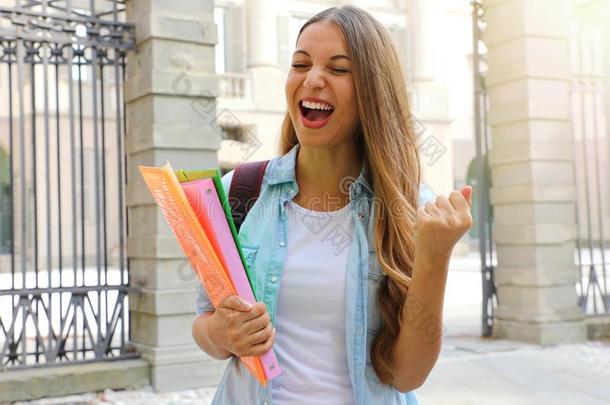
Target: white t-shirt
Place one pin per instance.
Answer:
(310, 317)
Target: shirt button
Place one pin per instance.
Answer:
(265, 402)
(360, 215)
(282, 244)
(273, 279)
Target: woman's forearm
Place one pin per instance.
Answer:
(419, 341)
(204, 335)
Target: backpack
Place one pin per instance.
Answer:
(245, 189)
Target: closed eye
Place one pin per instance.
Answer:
(334, 70)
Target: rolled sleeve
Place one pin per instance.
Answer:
(425, 194)
(203, 303)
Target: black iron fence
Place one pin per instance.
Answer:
(63, 222)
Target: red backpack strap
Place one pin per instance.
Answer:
(245, 189)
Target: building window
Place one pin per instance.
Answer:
(233, 133)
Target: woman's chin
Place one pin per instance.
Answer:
(317, 139)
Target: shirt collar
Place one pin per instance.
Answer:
(283, 170)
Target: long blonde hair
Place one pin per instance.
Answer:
(387, 144)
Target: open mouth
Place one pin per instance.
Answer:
(315, 112)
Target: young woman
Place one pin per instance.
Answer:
(350, 252)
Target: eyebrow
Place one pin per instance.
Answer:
(334, 57)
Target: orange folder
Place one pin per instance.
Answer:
(167, 192)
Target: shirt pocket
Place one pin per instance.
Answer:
(250, 253)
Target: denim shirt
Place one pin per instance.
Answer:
(263, 237)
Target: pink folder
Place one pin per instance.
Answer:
(203, 197)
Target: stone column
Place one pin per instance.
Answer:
(262, 32)
(170, 93)
(420, 19)
(531, 162)
(263, 65)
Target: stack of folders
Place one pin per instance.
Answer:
(197, 210)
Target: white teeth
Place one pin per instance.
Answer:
(317, 106)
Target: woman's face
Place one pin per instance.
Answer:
(320, 89)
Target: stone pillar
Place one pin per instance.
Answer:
(263, 64)
(420, 19)
(262, 32)
(531, 162)
(170, 93)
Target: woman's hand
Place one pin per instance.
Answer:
(441, 224)
(241, 328)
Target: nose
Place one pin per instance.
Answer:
(314, 78)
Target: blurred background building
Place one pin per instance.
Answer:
(509, 96)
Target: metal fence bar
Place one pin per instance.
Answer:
(579, 285)
(583, 134)
(96, 152)
(45, 66)
(11, 167)
(20, 74)
(73, 184)
(486, 243)
(600, 223)
(81, 176)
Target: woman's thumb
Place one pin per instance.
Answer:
(244, 305)
(467, 193)
(235, 303)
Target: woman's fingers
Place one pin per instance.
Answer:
(257, 310)
(444, 204)
(432, 209)
(459, 202)
(256, 324)
(261, 336)
(245, 330)
(263, 348)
